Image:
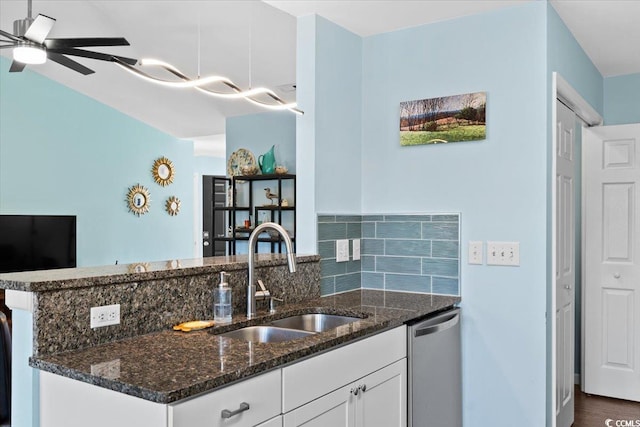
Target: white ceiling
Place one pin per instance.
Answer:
(251, 40)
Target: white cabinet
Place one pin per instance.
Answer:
(71, 403)
(309, 379)
(274, 422)
(247, 403)
(362, 384)
(377, 400)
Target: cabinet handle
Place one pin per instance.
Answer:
(363, 387)
(355, 391)
(244, 406)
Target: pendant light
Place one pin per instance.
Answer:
(260, 96)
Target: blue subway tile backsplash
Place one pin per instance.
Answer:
(413, 253)
(398, 230)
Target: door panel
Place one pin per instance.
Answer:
(617, 348)
(565, 264)
(617, 221)
(334, 409)
(382, 401)
(612, 283)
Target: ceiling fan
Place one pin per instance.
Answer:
(31, 45)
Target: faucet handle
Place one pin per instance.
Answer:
(263, 292)
(272, 304)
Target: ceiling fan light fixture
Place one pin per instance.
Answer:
(29, 54)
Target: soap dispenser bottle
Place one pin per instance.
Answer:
(222, 307)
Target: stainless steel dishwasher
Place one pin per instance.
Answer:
(435, 377)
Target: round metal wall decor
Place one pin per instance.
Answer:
(172, 205)
(138, 200)
(163, 171)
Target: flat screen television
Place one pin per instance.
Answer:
(37, 242)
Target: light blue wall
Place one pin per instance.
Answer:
(498, 185)
(622, 99)
(329, 135)
(204, 165)
(64, 153)
(306, 134)
(338, 119)
(566, 57)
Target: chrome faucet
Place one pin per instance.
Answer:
(253, 240)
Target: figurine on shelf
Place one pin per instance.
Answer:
(270, 195)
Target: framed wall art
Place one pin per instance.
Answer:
(445, 119)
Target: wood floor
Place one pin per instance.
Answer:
(593, 411)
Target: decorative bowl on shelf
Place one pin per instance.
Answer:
(281, 170)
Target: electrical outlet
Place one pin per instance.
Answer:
(503, 253)
(342, 250)
(475, 253)
(356, 249)
(105, 315)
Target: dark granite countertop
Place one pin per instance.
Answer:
(68, 278)
(168, 366)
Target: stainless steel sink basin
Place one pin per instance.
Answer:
(314, 322)
(266, 334)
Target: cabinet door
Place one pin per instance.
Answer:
(335, 409)
(273, 422)
(382, 397)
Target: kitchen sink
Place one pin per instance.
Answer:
(314, 322)
(266, 334)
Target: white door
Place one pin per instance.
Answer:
(382, 400)
(612, 284)
(335, 409)
(565, 263)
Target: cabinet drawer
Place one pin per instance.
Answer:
(262, 394)
(319, 375)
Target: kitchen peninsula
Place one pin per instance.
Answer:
(142, 360)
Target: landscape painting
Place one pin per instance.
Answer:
(446, 119)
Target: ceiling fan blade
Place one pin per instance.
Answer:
(4, 46)
(69, 63)
(9, 36)
(85, 42)
(94, 55)
(39, 30)
(17, 67)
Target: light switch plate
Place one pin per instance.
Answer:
(342, 250)
(503, 253)
(475, 253)
(356, 249)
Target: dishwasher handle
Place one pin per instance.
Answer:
(447, 322)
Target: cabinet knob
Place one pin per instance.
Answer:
(616, 275)
(363, 387)
(355, 391)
